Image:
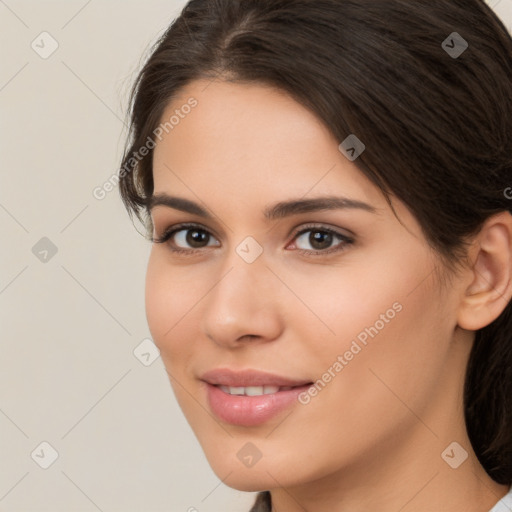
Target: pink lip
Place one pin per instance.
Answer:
(248, 411)
(227, 377)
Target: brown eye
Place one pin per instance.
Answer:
(320, 240)
(191, 238)
(186, 238)
(196, 238)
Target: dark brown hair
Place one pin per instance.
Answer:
(437, 127)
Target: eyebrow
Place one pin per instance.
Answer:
(273, 212)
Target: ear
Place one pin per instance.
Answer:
(490, 276)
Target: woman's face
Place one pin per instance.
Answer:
(344, 296)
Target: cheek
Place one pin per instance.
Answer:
(173, 296)
(393, 359)
(167, 298)
(157, 294)
(386, 322)
(340, 301)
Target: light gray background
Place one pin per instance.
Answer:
(70, 322)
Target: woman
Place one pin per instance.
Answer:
(327, 186)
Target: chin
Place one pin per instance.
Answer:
(248, 480)
(235, 474)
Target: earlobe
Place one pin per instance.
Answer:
(490, 289)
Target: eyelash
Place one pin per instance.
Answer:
(169, 232)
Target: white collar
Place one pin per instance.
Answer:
(505, 504)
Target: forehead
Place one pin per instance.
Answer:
(249, 137)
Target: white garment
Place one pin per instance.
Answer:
(505, 504)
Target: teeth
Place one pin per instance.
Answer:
(236, 391)
(252, 390)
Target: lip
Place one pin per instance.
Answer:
(244, 378)
(249, 411)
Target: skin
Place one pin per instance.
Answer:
(372, 438)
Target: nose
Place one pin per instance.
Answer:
(243, 305)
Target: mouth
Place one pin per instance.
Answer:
(250, 379)
(254, 390)
(250, 398)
